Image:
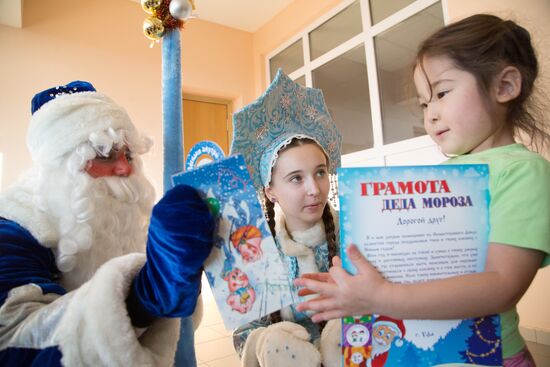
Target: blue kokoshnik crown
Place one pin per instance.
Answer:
(285, 111)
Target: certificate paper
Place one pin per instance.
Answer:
(416, 224)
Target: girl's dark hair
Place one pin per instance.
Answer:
(483, 45)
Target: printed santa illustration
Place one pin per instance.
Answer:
(385, 331)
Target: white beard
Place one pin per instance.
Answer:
(99, 219)
(378, 348)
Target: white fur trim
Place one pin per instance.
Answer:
(330, 345)
(302, 250)
(249, 358)
(29, 317)
(17, 205)
(312, 237)
(96, 330)
(286, 344)
(65, 122)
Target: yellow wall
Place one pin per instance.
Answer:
(217, 62)
(101, 41)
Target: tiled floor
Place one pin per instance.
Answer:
(541, 353)
(214, 345)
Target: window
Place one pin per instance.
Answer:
(360, 55)
(301, 80)
(290, 59)
(336, 30)
(395, 49)
(346, 90)
(381, 9)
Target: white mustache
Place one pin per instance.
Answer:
(124, 189)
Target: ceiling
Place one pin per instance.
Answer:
(246, 15)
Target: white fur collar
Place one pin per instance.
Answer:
(95, 329)
(298, 243)
(17, 205)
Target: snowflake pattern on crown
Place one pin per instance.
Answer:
(285, 110)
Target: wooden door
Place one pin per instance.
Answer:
(206, 120)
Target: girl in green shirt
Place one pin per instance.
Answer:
(474, 80)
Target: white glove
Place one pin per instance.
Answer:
(281, 344)
(330, 346)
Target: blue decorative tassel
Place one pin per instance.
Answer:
(172, 106)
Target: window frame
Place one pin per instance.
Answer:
(377, 154)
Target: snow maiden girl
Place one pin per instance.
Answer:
(290, 145)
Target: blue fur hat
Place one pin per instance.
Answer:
(47, 95)
(64, 116)
(285, 111)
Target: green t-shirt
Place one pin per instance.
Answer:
(519, 185)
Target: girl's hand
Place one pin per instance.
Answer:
(342, 294)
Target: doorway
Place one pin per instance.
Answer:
(206, 118)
